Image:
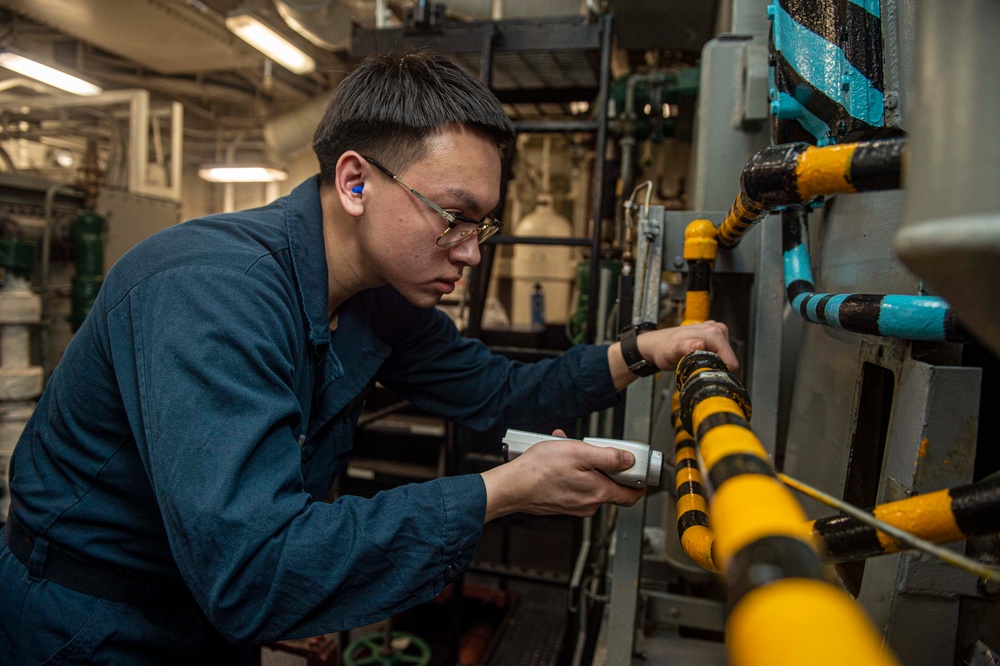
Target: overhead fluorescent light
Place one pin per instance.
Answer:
(47, 74)
(224, 173)
(267, 41)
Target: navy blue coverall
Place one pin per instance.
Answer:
(190, 433)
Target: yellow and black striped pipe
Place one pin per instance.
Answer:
(696, 537)
(782, 609)
(795, 173)
(938, 517)
(700, 249)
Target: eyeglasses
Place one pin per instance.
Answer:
(460, 228)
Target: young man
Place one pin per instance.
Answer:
(166, 495)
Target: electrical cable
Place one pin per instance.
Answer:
(986, 572)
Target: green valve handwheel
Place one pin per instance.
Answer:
(403, 648)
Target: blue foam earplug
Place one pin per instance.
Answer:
(357, 189)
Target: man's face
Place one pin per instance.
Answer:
(460, 172)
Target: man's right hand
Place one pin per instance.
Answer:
(558, 477)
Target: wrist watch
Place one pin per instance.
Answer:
(630, 349)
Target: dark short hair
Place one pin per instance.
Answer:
(392, 103)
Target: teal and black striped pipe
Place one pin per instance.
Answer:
(891, 315)
(795, 173)
(939, 517)
(827, 73)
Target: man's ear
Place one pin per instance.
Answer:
(349, 182)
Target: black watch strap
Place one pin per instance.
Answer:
(630, 349)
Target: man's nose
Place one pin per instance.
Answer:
(467, 252)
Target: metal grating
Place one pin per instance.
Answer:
(538, 66)
(533, 634)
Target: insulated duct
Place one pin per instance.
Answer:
(292, 132)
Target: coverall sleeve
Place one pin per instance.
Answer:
(461, 379)
(206, 362)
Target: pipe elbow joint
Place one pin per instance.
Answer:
(769, 177)
(700, 241)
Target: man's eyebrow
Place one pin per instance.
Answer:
(468, 200)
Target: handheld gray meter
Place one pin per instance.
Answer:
(645, 471)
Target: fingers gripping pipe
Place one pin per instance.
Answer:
(782, 609)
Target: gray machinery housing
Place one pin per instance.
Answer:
(866, 418)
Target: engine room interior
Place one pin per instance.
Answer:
(822, 177)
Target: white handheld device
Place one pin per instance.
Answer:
(645, 471)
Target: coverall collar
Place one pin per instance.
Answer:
(308, 252)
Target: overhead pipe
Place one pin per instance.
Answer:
(892, 315)
(782, 610)
(795, 173)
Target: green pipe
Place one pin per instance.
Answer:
(88, 241)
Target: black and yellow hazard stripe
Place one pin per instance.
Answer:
(939, 517)
(795, 173)
(696, 537)
(700, 249)
(782, 610)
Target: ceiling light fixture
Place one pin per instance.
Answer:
(231, 173)
(270, 43)
(47, 74)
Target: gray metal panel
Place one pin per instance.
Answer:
(763, 376)
(930, 445)
(723, 142)
(952, 231)
(850, 243)
(850, 247)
